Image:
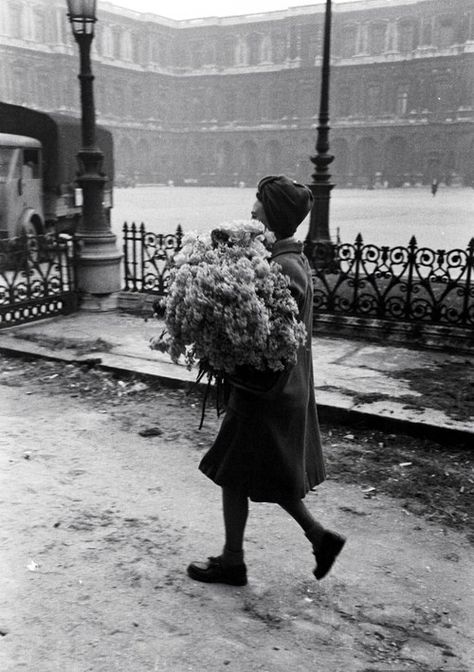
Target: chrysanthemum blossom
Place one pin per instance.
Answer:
(228, 305)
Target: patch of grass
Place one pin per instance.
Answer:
(431, 480)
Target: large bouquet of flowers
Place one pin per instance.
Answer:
(228, 305)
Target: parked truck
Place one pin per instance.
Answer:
(38, 171)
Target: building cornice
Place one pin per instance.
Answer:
(263, 17)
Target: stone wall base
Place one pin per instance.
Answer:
(405, 334)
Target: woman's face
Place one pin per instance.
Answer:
(259, 213)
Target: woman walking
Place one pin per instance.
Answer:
(268, 448)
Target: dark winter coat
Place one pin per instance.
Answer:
(269, 443)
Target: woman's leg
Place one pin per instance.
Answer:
(229, 567)
(299, 512)
(326, 544)
(235, 508)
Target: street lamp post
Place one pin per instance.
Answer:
(318, 246)
(99, 258)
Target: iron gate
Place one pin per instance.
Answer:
(37, 278)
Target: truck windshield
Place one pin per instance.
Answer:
(6, 156)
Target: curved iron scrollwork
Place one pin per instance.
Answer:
(148, 258)
(37, 277)
(410, 284)
(399, 283)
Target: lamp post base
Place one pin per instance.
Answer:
(99, 264)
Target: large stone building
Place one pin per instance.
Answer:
(224, 100)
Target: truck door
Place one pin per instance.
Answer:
(31, 182)
(11, 205)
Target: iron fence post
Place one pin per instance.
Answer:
(142, 255)
(357, 258)
(467, 290)
(412, 247)
(125, 255)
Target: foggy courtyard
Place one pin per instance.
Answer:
(383, 217)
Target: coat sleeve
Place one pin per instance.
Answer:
(297, 277)
(264, 384)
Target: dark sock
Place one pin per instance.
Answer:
(232, 558)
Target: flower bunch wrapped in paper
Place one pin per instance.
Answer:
(229, 306)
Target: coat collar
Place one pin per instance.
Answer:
(286, 245)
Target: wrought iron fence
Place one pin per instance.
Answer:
(37, 278)
(404, 284)
(410, 284)
(148, 258)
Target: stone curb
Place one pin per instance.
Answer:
(328, 413)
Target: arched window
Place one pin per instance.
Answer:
(406, 36)
(126, 46)
(98, 43)
(241, 52)
(135, 48)
(209, 54)
(209, 106)
(39, 27)
(252, 103)
(272, 157)
(341, 165)
(279, 46)
(401, 101)
(16, 20)
(229, 105)
(266, 49)
(228, 51)
(136, 101)
(377, 32)
(365, 158)
(445, 32)
(344, 101)
(19, 83)
(294, 41)
(108, 42)
(373, 100)
(44, 91)
(117, 42)
(315, 44)
(197, 55)
(349, 41)
(254, 46)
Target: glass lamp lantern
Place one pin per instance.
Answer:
(82, 15)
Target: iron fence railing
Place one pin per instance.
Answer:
(410, 284)
(37, 278)
(404, 284)
(148, 258)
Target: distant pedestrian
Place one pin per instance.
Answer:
(268, 448)
(434, 187)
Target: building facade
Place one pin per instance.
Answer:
(226, 100)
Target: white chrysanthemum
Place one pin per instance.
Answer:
(229, 305)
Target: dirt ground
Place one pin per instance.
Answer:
(103, 507)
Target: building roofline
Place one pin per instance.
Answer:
(290, 12)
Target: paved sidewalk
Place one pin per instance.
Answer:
(355, 381)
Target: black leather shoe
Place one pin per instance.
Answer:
(326, 553)
(214, 571)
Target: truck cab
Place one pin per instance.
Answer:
(38, 171)
(21, 186)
